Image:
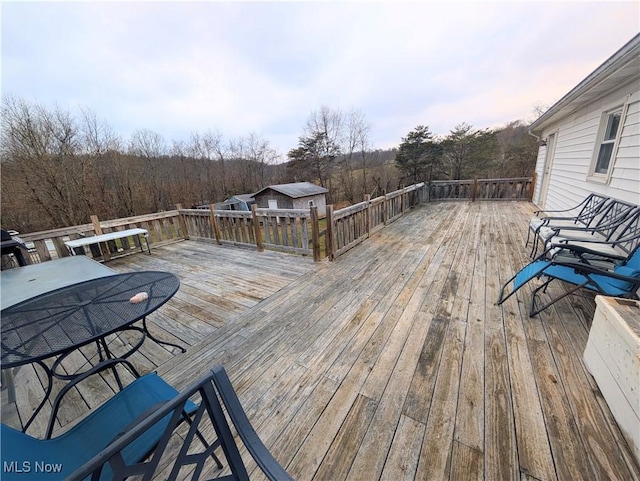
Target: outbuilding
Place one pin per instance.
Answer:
(298, 195)
(242, 202)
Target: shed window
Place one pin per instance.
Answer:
(609, 128)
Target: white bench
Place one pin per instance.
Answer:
(97, 239)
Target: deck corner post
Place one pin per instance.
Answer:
(367, 199)
(474, 189)
(256, 228)
(97, 228)
(315, 232)
(532, 188)
(103, 246)
(182, 222)
(214, 223)
(384, 207)
(329, 235)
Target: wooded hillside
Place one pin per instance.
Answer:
(59, 168)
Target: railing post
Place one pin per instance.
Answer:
(367, 199)
(315, 232)
(214, 223)
(474, 189)
(182, 222)
(402, 201)
(384, 207)
(97, 228)
(329, 247)
(256, 228)
(534, 179)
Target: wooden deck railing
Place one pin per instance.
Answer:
(163, 227)
(288, 230)
(304, 232)
(482, 189)
(348, 227)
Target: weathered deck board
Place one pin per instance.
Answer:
(393, 362)
(204, 302)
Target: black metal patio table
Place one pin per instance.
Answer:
(58, 322)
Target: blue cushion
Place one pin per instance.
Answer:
(623, 271)
(28, 457)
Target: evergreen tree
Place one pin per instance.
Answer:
(418, 155)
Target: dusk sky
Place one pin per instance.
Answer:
(263, 67)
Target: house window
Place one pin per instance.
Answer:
(606, 148)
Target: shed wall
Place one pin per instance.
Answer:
(286, 202)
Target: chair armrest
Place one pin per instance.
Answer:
(536, 212)
(578, 250)
(589, 269)
(263, 458)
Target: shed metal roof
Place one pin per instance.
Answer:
(242, 197)
(295, 190)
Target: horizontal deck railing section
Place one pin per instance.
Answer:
(46, 245)
(299, 231)
(288, 230)
(349, 226)
(482, 189)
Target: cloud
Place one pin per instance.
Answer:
(178, 67)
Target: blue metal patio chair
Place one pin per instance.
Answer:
(25, 457)
(263, 458)
(595, 251)
(584, 213)
(621, 280)
(115, 459)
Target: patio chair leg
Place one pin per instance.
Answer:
(534, 246)
(501, 297)
(534, 312)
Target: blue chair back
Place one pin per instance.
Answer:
(38, 459)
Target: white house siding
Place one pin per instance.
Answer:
(575, 145)
(626, 175)
(542, 152)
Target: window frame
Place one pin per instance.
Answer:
(605, 177)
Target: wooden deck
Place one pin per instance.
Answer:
(392, 362)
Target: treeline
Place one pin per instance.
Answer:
(466, 153)
(59, 168)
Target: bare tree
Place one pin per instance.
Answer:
(150, 146)
(40, 150)
(319, 145)
(214, 145)
(261, 155)
(357, 143)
